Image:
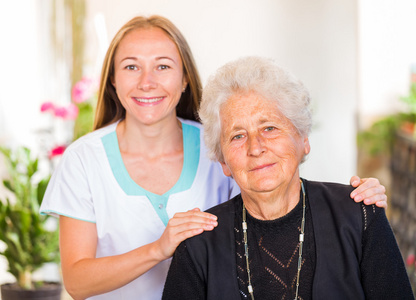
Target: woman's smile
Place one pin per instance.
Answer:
(148, 100)
(262, 167)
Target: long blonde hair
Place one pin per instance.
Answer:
(109, 108)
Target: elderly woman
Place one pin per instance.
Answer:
(283, 237)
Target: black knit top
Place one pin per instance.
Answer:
(274, 252)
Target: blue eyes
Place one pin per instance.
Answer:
(237, 137)
(240, 136)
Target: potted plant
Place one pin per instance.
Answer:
(379, 138)
(29, 243)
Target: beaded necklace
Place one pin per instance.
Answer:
(301, 239)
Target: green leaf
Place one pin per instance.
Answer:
(28, 244)
(42, 185)
(8, 185)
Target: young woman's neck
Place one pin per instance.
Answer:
(155, 139)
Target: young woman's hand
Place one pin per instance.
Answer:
(368, 190)
(182, 226)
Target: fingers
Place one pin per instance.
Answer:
(355, 181)
(184, 225)
(190, 223)
(380, 203)
(370, 191)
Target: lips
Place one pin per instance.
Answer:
(148, 100)
(261, 167)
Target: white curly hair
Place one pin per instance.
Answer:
(261, 76)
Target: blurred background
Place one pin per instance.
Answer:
(356, 58)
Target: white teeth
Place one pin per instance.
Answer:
(148, 100)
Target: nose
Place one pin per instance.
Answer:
(256, 145)
(147, 81)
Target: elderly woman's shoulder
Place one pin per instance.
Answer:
(226, 208)
(330, 194)
(328, 189)
(336, 197)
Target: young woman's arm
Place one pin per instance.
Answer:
(85, 275)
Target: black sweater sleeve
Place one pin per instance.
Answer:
(382, 268)
(183, 281)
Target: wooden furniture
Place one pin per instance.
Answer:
(402, 203)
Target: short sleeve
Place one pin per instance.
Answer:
(68, 192)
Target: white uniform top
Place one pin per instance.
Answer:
(92, 184)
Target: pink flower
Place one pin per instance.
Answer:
(60, 112)
(57, 151)
(410, 260)
(83, 90)
(46, 106)
(72, 112)
(68, 113)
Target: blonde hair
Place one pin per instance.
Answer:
(261, 76)
(109, 108)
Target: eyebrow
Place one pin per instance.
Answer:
(157, 58)
(126, 58)
(164, 57)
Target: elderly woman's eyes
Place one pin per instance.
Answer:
(237, 137)
(270, 128)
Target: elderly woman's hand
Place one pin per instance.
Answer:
(368, 190)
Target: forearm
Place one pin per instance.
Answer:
(85, 275)
(94, 276)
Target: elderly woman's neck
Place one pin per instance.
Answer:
(272, 205)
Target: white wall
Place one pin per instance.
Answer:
(19, 60)
(387, 48)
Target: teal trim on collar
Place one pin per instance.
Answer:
(191, 146)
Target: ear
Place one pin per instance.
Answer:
(307, 145)
(184, 83)
(225, 169)
(113, 82)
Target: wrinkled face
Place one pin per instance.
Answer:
(262, 149)
(148, 75)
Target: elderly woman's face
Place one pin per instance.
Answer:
(262, 149)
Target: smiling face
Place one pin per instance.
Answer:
(261, 147)
(148, 75)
